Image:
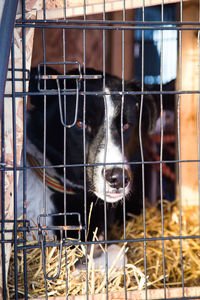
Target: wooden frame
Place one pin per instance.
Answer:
(138, 295)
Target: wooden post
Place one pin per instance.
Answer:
(138, 295)
(188, 108)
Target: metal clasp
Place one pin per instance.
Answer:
(60, 104)
(42, 236)
(78, 77)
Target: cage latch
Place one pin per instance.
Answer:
(78, 77)
(42, 233)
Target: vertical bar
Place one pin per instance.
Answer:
(65, 116)
(122, 144)
(14, 166)
(3, 265)
(44, 130)
(161, 146)
(65, 7)
(24, 151)
(65, 152)
(44, 141)
(105, 152)
(64, 133)
(84, 150)
(142, 153)
(179, 144)
(6, 32)
(44, 10)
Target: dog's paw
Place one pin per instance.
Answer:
(114, 258)
(98, 258)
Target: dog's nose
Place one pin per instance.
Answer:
(114, 177)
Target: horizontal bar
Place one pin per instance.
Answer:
(63, 228)
(18, 70)
(99, 93)
(52, 227)
(18, 79)
(111, 22)
(80, 77)
(123, 28)
(103, 164)
(19, 229)
(152, 239)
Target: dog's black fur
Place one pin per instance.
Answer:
(95, 138)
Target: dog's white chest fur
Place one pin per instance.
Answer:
(37, 197)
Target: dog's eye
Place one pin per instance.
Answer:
(79, 124)
(126, 126)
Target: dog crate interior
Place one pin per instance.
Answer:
(155, 43)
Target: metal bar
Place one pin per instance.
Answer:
(60, 105)
(63, 228)
(79, 77)
(105, 151)
(110, 22)
(84, 151)
(121, 241)
(46, 276)
(56, 214)
(55, 92)
(14, 168)
(64, 9)
(44, 63)
(44, 122)
(3, 264)
(44, 140)
(65, 152)
(6, 32)
(82, 93)
(105, 164)
(65, 116)
(24, 152)
(142, 153)
(161, 147)
(44, 10)
(123, 152)
(136, 27)
(179, 146)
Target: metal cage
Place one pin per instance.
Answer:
(156, 42)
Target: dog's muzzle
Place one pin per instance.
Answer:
(116, 178)
(117, 184)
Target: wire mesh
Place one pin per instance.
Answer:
(61, 92)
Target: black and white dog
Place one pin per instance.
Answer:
(105, 122)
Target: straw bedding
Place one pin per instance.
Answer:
(135, 252)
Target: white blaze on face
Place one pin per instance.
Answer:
(110, 153)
